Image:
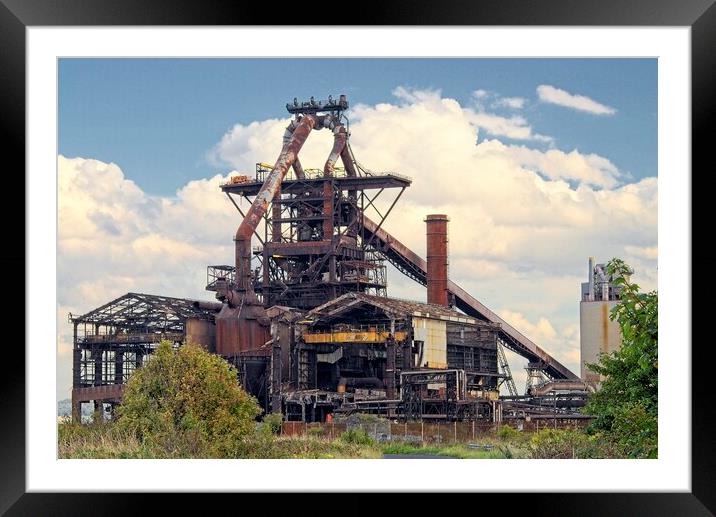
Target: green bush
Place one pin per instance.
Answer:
(567, 443)
(187, 402)
(507, 432)
(626, 405)
(272, 423)
(357, 437)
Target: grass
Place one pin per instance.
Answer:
(460, 451)
(105, 440)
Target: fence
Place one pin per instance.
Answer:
(421, 432)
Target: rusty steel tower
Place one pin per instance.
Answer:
(310, 228)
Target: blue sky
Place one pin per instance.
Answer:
(157, 118)
(540, 163)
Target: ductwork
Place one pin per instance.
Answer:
(208, 306)
(261, 203)
(340, 137)
(297, 167)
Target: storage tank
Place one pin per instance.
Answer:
(201, 332)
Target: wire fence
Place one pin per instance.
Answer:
(383, 430)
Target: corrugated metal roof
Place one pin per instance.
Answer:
(399, 308)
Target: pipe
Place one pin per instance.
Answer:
(590, 294)
(263, 199)
(297, 167)
(209, 306)
(357, 382)
(340, 137)
(437, 264)
(347, 159)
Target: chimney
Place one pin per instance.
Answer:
(437, 274)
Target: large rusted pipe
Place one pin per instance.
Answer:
(347, 159)
(264, 197)
(297, 167)
(209, 306)
(339, 142)
(437, 264)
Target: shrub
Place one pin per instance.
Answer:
(188, 402)
(272, 423)
(507, 432)
(567, 443)
(626, 405)
(357, 437)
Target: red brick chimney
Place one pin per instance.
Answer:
(437, 274)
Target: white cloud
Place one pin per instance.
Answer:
(552, 95)
(514, 127)
(512, 102)
(480, 94)
(644, 252)
(523, 221)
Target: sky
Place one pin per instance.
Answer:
(540, 163)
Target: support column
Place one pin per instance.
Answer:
(76, 408)
(327, 210)
(118, 367)
(276, 216)
(389, 380)
(97, 356)
(276, 377)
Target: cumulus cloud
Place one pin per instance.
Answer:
(552, 95)
(523, 220)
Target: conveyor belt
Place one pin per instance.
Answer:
(414, 266)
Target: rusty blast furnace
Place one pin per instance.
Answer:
(303, 312)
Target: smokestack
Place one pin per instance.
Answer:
(437, 274)
(590, 294)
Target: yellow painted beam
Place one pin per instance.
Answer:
(370, 336)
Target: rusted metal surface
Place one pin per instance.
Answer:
(339, 142)
(201, 332)
(242, 328)
(347, 182)
(264, 197)
(394, 306)
(206, 305)
(105, 392)
(437, 263)
(327, 211)
(276, 216)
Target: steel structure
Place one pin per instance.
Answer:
(415, 267)
(304, 314)
(113, 340)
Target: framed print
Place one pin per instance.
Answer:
(544, 132)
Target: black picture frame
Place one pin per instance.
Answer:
(16, 15)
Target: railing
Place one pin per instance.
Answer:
(216, 273)
(150, 337)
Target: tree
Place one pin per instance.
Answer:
(626, 405)
(188, 402)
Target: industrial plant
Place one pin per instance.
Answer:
(305, 316)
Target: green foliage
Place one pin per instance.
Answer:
(567, 443)
(357, 437)
(272, 423)
(626, 405)
(506, 432)
(187, 402)
(316, 432)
